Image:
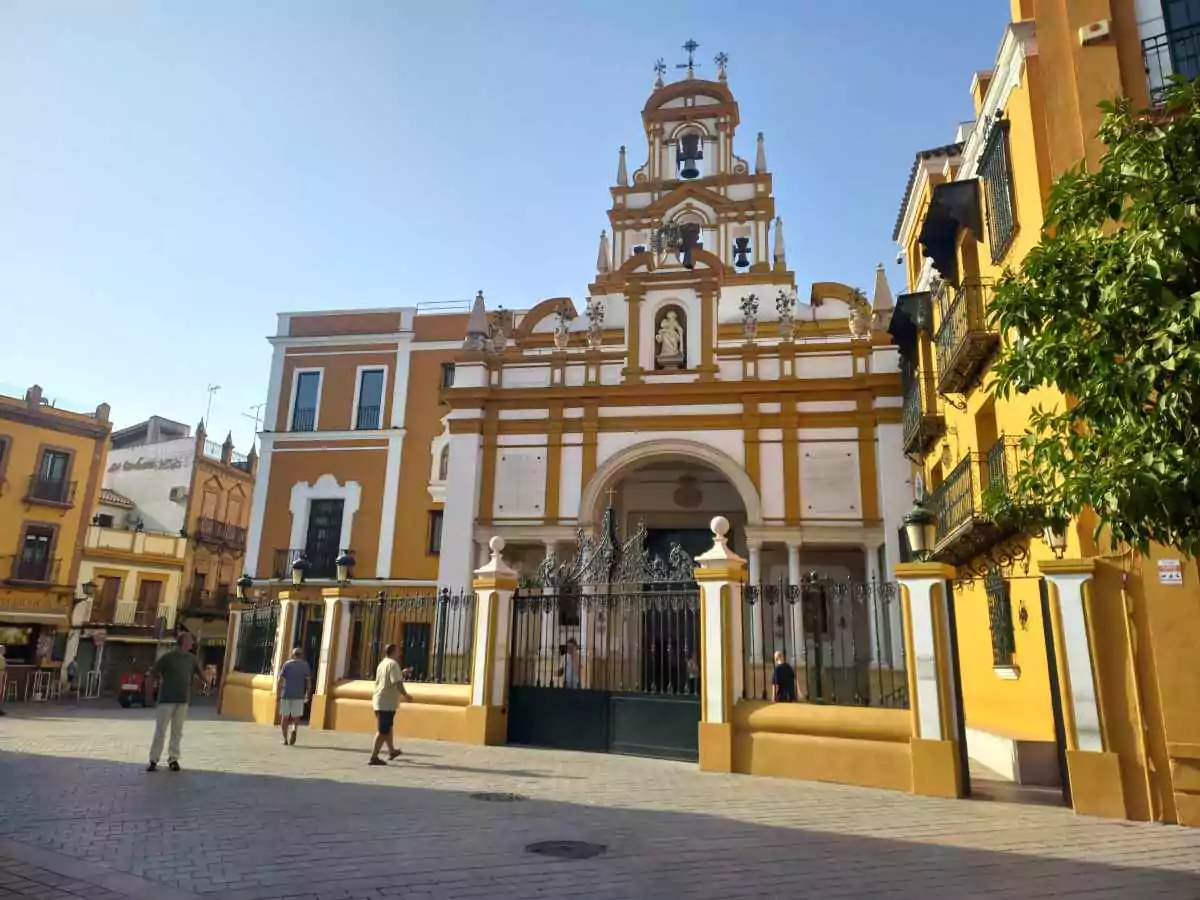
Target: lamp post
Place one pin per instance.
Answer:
(300, 567)
(916, 528)
(344, 564)
(1055, 536)
(243, 586)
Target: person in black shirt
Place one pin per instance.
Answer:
(783, 680)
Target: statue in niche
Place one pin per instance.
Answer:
(669, 338)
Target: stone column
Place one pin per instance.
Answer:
(719, 573)
(756, 614)
(793, 557)
(1094, 773)
(494, 584)
(934, 746)
(331, 663)
(796, 618)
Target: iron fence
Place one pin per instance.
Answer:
(367, 418)
(304, 418)
(842, 639)
(616, 638)
(256, 639)
(434, 632)
(1175, 52)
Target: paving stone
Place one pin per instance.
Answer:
(249, 819)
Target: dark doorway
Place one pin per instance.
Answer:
(324, 534)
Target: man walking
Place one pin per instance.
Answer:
(174, 673)
(295, 684)
(389, 689)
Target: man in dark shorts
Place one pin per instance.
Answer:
(174, 673)
(389, 690)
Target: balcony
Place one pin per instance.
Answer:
(50, 492)
(923, 420)
(208, 604)
(1174, 52)
(304, 418)
(130, 614)
(963, 529)
(33, 571)
(964, 340)
(367, 418)
(212, 531)
(322, 563)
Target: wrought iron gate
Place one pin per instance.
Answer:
(606, 651)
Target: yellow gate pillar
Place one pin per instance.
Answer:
(1095, 774)
(494, 584)
(719, 573)
(331, 661)
(935, 714)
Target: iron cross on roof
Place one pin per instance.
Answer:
(691, 47)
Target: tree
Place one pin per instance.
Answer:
(1106, 308)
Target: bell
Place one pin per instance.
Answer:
(689, 240)
(688, 154)
(741, 250)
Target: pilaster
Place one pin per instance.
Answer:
(494, 585)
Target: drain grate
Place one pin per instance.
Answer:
(567, 849)
(497, 797)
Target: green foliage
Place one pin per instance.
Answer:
(1107, 310)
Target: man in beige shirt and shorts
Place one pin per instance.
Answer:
(389, 691)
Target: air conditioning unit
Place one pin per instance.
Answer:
(178, 494)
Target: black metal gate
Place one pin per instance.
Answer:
(606, 652)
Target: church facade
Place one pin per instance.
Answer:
(695, 379)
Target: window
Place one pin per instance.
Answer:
(369, 413)
(104, 606)
(33, 562)
(447, 375)
(1000, 622)
(304, 408)
(323, 543)
(435, 532)
(444, 464)
(50, 483)
(996, 169)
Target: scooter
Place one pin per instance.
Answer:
(132, 690)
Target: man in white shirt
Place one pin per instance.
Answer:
(389, 690)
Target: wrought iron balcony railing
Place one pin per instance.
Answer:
(213, 531)
(34, 570)
(304, 419)
(963, 529)
(321, 563)
(201, 600)
(53, 491)
(367, 417)
(1175, 52)
(964, 340)
(923, 420)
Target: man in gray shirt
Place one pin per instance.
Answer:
(295, 685)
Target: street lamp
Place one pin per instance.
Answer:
(243, 586)
(916, 528)
(89, 588)
(300, 567)
(1055, 536)
(344, 564)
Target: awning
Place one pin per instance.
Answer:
(954, 205)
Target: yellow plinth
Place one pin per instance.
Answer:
(935, 768)
(1096, 784)
(716, 747)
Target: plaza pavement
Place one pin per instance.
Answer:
(251, 819)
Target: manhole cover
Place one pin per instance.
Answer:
(497, 797)
(566, 849)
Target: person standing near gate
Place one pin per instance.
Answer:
(173, 673)
(389, 691)
(783, 680)
(570, 666)
(295, 683)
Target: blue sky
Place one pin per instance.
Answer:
(174, 173)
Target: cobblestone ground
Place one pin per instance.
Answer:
(249, 818)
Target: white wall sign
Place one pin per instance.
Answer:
(1170, 571)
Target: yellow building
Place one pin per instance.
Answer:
(51, 461)
(1058, 688)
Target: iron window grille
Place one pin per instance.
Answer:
(447, 375)
(435, 532)
(1000, 620)
(995, 167)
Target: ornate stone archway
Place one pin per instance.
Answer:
(592, 501)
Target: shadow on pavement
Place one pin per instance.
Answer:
(243, 836)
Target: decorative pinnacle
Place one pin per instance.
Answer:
(660, 69)
(721, 59)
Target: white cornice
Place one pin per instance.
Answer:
(318, 340)
(1020, 42)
